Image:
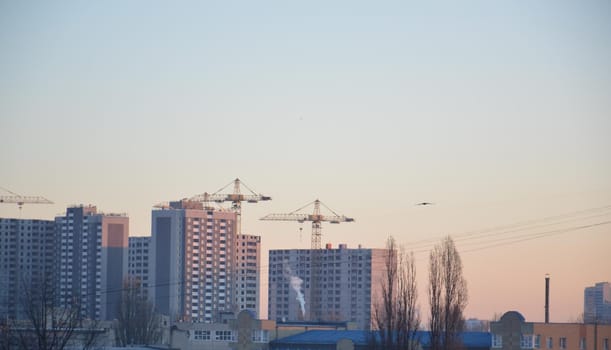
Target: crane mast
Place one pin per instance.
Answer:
(315, 252)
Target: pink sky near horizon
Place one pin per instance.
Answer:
(501, 275)
(497, 113)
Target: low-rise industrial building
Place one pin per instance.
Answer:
(243, 332)
(512, 332)
(362, 340)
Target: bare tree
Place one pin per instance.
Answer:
(137, 321)
(7, 336)
(496, 316)
(46, 326)
(396, 318)
(577, 319)
(447, 296)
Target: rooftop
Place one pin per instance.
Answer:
(319, 337)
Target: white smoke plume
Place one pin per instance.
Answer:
(296, 284)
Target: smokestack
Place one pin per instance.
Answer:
(547, 298)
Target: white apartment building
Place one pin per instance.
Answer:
(27, 258)
(248, 255)
(347, 285)
(195, 263)
(138, 257)
(92, 262)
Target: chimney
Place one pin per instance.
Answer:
(547, 298)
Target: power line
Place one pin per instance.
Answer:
(518, 226)
(493, 237)
(540, 235)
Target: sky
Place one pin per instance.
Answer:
(497, 112)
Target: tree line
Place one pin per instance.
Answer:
(396, 317)
(46, 325)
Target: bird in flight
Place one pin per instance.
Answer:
(425, 203)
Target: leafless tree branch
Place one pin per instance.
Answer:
(447, 296)
(395, 315)
(137, 322)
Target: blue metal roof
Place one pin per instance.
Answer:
(323, 337)
(311, 324)
(477, 339)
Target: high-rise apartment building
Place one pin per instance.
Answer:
(248, 256)
(196, 263)
(138, 257)
(93, 260)
(347, 286)
(27, 258)
(597, 303)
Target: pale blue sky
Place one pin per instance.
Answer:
(496, 111)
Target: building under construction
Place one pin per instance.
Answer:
(199, 266)
(202, 268)
(347, 286)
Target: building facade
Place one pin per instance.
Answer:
(138, 261)
(597, 303)
(195, 263)
(512, 332)
(27, 259)
(93, 260)
(242, 331)
(348, 284)
(247, 283)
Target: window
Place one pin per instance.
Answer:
(201, 335)
(527, 341)
(562, 343)
(606, 344)
(550, 343)
(224, 336)
(260, 336)
(497, 341)
(538, 341)
(582, 344)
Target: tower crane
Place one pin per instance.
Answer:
(21, 200)
(316, 218)
(236, 198)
